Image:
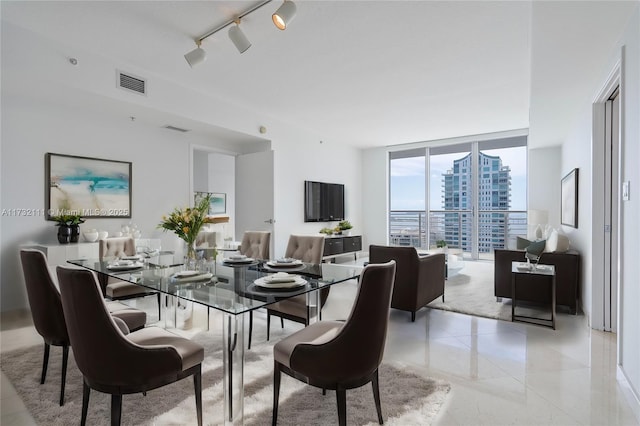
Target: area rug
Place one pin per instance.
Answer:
(407, 398)
(470, 291)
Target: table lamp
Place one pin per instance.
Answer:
(537, 220)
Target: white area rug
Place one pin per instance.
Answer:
(407, 398)
(470, 291)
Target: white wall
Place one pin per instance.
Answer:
(576, 152)
(543, 191)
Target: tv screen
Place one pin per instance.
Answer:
(323, 202)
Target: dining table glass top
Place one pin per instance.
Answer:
(228, 287)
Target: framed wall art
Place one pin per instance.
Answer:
(217, 202)
(569, 199)
(89, 187)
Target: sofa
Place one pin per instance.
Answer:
(418, 280)
(567, 266)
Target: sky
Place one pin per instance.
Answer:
(408, 182)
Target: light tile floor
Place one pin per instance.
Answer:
(500, 372)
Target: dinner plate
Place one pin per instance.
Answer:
(239, 261)
(280, 264)
(297, 282)
(124, 266)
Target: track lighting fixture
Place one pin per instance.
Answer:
(238, 38)
(284, 15)
(196, 56)
(281, 18)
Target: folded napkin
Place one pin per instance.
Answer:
(122, 263)
(280, 277)
(237, 257)
(286, 260)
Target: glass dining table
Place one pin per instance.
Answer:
(234, 289)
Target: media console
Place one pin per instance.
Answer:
(338, 245)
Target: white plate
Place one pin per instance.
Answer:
(238, 257)
(124, 267)
(185, 274)
(244, 260)
(136, 257)
(292, 264)
(198, 276)
(298, 282)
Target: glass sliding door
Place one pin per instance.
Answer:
(451, 189)
(407, 194)
(470, 196)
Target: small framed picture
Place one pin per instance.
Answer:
(217, 202)
(569, 199)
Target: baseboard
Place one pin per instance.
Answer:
(632, 396)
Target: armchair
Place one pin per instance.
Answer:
(419, 279)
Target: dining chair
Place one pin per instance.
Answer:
(119, 364)
(309, 249)
(339, 355)
(46, 310)
(113, 288)
(255, 244)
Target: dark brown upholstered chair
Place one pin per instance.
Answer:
(307, 248)
(113, 288)
(255, 244)
(46, 310)
(341, 355)
(419, 279)
(113, 363)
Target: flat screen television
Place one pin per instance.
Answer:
(323, 202)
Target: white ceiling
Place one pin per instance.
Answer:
(365, 73)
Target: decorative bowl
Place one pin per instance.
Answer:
(102, 235)
(91, 235)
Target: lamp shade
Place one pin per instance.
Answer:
(238, 38)
(537, 217)
(284, 15)
(196, 56)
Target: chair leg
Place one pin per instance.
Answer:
(250, 328)
(413, 317)
(268, 325)
(442, 297)
(45, 362)
(376, 396)
(281, 322)
(197, 385)
(159, 306)
(86, 391)
(65, 358)
(276, 392)
(116, 409)
(341, 396)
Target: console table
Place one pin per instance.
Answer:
(339, 245)
(540, 275)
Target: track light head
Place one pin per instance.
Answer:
(196, 56)
(238, 38)
(284, 15)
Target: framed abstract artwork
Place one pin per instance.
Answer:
(217, 202)
(89, 187)
(569, 199)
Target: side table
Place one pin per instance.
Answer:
(542, 274)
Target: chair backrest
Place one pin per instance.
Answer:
(357, 350)
(406, 262)
(307, 248)
(103, 354)
(256, 244)
(44, 297)
(116, 247)
(206, 239)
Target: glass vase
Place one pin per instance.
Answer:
(191, 257)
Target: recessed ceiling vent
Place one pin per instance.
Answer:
(177, 129)
(132, 83)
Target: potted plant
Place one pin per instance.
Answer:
(326, 231)
(343, 226)
(68, 227)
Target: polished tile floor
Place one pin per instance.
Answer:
(500, 372)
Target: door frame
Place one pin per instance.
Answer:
(601, 286)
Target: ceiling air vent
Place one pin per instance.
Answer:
(177, 129)
(132, 83)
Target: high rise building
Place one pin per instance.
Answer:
(494, 194)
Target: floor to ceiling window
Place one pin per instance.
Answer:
(469, 196)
